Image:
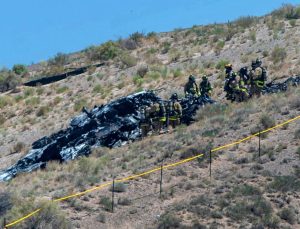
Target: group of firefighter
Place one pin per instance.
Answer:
(239, 86)
(247, 82)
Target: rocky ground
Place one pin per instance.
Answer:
(244, 191)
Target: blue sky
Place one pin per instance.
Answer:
(35, 30)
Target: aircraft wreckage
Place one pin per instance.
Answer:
(110, 125)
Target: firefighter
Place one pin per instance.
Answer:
(239, 90)
(205, 87)
(258, 78)
(191, 87)
(146, 122)
(158, 116)
(228, 78)
(174, 111)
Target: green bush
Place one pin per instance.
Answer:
(106, 203)
(278, 54)
(138, 81)
(137, 36)
(221, 64)
(5, 101)
(19, 69)
(177, 73)
(42, 111)
(8, 80)
(79, 104)
(142, 71)
(61, 90)
(98, 89)
(59, 59)
(287, 11)
(288, 215)
(245, 22)
(33, 101)
(128, 60)
(119, 187)
(297, 134)
(284, 184)
(266, 121)
(106, 51)
(169, 221)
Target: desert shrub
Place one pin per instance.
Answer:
(49, 217)
(28, 92)
(79, 104)
(165, 47)
(57, 100)
(98, 89)
(174, 55)
(59, 59)
(19, 147)
(292, 22)
(61, 90)
(42, 111)
(40, 90)
(33, 101)
(5, 202)
(138, 81)
(106, 203)
(220, 45)
(266, 121)
(221, 64)
(8, 80)
(245, 190)
(151, 34)
(298, 151)
(177, 73)
(124, 201)
(5, 101)
(137, 37)
(284, 184)
(19, 69)
(245, 22)
(252, 35)
(297, 134)
(2, 119)
(128, 60)
(101, 218)
(169, 221)
(119, 187)
(288, 215)
(154, 75)
(210, 111)
(287, 11)
(106, 51)
(271, 221)
(142, 71)
(278, 54)
(128, 44)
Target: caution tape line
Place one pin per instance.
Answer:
(154, 170)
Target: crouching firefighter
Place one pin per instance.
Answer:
(174, 111)
(237, 85)
(158, 116)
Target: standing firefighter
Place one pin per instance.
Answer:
(205, 87)
(258, 77)
(239, 90)
(174, 111)
(158, 116)
(228, 78)
(191, 87)
(146, 122)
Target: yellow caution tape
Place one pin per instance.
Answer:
(152, 170)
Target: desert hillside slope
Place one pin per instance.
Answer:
(245, 191)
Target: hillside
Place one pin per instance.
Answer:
(244, 192)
